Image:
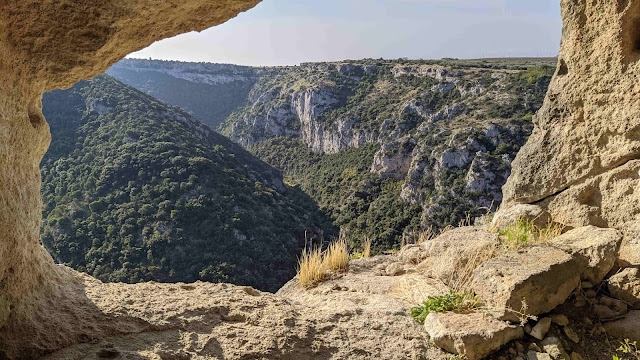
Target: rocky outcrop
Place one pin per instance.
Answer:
(532, 281)
(597, 249)
(44, 46)
(473, 336)
(355, 316)
(581, 162)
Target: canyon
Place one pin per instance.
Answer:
(580, 165)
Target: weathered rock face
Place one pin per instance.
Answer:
(43, 46)
(580, 161)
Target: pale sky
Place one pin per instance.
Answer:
(288, 32)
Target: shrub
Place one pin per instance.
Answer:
(453, 301)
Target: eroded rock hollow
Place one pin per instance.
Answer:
(581, 163)
(45, 45)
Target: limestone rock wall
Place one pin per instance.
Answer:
(580, 160)
(46, 45)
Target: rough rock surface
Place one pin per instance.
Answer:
(356, 315)
(526, 212)
(581, 159)
(473, 335)
(597, 249)
(540, 276)
(452, 250)
(626, 328)
(625, 286)
(586, 144)
(44, 46)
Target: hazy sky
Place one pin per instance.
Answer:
(288, 32)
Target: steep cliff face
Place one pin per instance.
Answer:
(43, 46)
(396, 147)
(332, 106)
(582, 160)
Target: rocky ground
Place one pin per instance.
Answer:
(581, 291)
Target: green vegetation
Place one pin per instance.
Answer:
(412, 112)
(343, 187)
(135, 190)
(453, 301)
(524, 232)
(630, 351)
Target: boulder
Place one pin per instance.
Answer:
(412, 254)
(527, 212)
(533, 281)
(456, 248)
(474, 335)
(625, 286)
(597, 249)
(626, 328)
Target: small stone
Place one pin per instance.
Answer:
(603, 312)
(590, 293)
(542, 327)
(527, 329)
(533, 355)
(571, 334)
(580, 301)
(560, 319)
(395, 268)
(588, 321)
(618, 306)
(512, 351)
(520, 347)
(586, 285)
(626, 328)
(625, 285)
(534, 347)
(575, 356)
(553, 347)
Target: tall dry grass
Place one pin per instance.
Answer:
(315, 265)
(366, 253)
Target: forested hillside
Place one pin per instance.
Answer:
(137, 190)
(209, 92)
(389, 148)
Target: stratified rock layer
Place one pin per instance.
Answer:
(579, 161)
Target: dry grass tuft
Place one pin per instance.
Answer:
(315, 265)
(367, 248)
(523, 233)
(336, 257)
(310, 267)
(426, 235)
